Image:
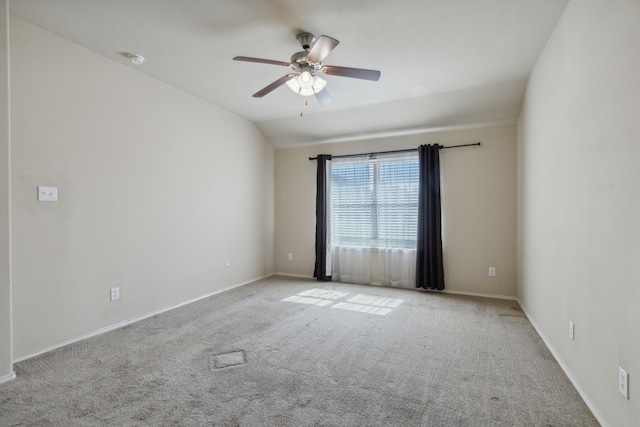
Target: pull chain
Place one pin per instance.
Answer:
(306, 102)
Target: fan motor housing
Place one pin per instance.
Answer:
(299, 58)
(306, 40)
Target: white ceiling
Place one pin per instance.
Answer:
(444, 63)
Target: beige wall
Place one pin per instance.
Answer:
(6, 366)
(579, 205)
(479, 205)
(157, 190)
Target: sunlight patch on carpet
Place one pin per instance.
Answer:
(376, 301)
(319, 297)
(322, 293)
(371, 304)
(308, 300)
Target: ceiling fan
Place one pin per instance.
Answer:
(306, 64)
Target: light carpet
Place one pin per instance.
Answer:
(296, 352)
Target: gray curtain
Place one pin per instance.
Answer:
(320, 270)
(429, 262)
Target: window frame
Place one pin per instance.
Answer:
(374, 163)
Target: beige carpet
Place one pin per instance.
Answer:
(294, 352)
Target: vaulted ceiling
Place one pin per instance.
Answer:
(444, 63)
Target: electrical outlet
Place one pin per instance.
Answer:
(623, 382)
(227, 266)
(47, 194)
(115, 294)
(570, 329)
(290, 256)
(492, 272)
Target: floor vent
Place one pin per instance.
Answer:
(226, 360)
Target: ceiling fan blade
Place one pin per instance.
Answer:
(356, 73)
(321, 49)
(261, 61)
(274, 85)
(323, 97)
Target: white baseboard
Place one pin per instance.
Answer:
(133, 320)
(299, 276)
(8, 377)
(445, 291)
(477, 294)
(585, 397)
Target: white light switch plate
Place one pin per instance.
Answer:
(571, 328)
(623, 382)
(47, 194)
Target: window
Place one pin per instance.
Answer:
(374, 201)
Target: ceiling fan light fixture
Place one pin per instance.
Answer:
(305, 79)
(318, 84)
(294, 85)
(306, 84)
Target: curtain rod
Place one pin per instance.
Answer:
(398, 151)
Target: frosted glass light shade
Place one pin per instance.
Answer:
(306, 84)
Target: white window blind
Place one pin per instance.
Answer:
(374, 201)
